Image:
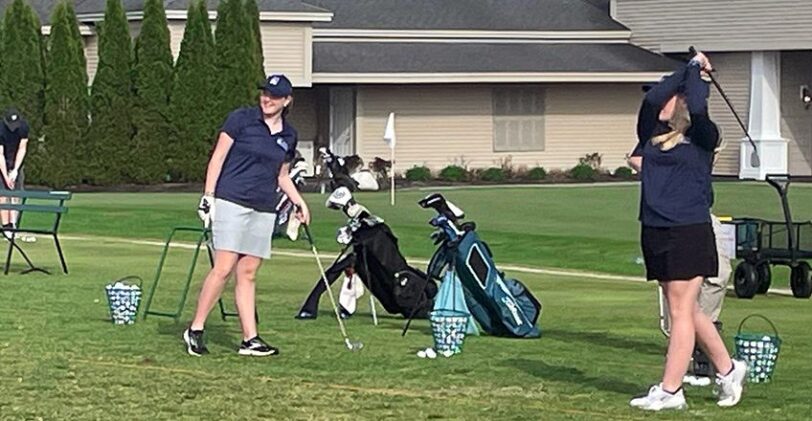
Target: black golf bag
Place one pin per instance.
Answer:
(373, 255)
(339, 171)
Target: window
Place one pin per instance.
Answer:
(518, 119)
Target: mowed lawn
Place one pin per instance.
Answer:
(61, 358)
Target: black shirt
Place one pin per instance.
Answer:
(11, 142)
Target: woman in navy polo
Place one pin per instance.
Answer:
(677, 142)
(252, 157)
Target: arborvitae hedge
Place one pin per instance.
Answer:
(66, 113)
(111, 129)
(252, 14)
(193, 101)
(236, 67)
(151, 83)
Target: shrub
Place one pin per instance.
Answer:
(493, 174)
(418, 174)
(453, 173)
(537, 173)
(592, 160)
(582, 172)
(624, 172)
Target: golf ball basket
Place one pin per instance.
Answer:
(123, 300)
(759, 350)
(448, 328)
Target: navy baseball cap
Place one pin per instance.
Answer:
(277, 85)
(12, 119)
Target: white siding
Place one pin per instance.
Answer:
(91, 56)
(719, 25)
(442, 125)
(288, 49)
(796, 120)
(733, 74)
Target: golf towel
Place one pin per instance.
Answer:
(450, 296)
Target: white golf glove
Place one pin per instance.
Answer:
(12, 175)
(205, 210)
(292, 230)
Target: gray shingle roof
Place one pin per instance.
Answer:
(517, 15)
(419, 57)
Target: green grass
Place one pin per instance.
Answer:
(60, 358)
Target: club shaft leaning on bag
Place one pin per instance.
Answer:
(326, 284)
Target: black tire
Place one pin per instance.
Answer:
(764, 278)
(745, 280)
(800, 282)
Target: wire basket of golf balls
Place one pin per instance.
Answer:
(759, 350)
(123, 299)
(448, 328)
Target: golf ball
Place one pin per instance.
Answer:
(447, 353)
(429, 352)
(421, 354)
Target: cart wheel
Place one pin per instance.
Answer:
(764, 278)
(799, 281)
(745, 280)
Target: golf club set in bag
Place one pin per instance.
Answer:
(371, 256)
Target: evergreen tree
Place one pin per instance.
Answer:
(65, 102)
(193, 101)
(77, 36)
(23, 77)
(252, 14)
(111, 130)
(152, 80)
(236, 68)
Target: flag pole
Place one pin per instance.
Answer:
(390, 138)
(392, 175)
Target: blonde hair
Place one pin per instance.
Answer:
(679, 123)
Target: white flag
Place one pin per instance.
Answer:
(389, 133)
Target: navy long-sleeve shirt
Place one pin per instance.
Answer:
(676, 184)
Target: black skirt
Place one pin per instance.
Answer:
(679, 253)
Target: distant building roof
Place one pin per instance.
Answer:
(421, 62)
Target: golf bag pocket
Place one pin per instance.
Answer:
(530, 305)
(413, 294)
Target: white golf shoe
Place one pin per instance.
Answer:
(658, 399)
(730, 387)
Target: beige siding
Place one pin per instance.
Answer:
(734, 76)
(440, 125)
(796, 120)
(91, 56)
(288, 49)
(176, 31)
(721, 25)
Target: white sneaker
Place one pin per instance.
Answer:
(658, 399)
(731, 386)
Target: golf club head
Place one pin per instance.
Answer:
(755, 161)
(353, 346)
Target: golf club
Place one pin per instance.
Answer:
(755, 160)
(351, 345)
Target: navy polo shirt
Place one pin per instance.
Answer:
(251, 169)
(676, 184)
(11, 141)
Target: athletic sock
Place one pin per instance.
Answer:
(674, 392)
(196, 332)
(732, 367)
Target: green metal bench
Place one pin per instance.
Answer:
(45, 202)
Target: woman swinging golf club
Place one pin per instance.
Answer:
(677, 141)
(252, 157)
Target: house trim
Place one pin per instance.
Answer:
(263, 16)
(507, 77)
(83, 30)
(471, 34)
(472, 40)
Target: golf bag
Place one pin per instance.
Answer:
(339, 171)
(371, 251)
(285, 223)
(502, 306)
